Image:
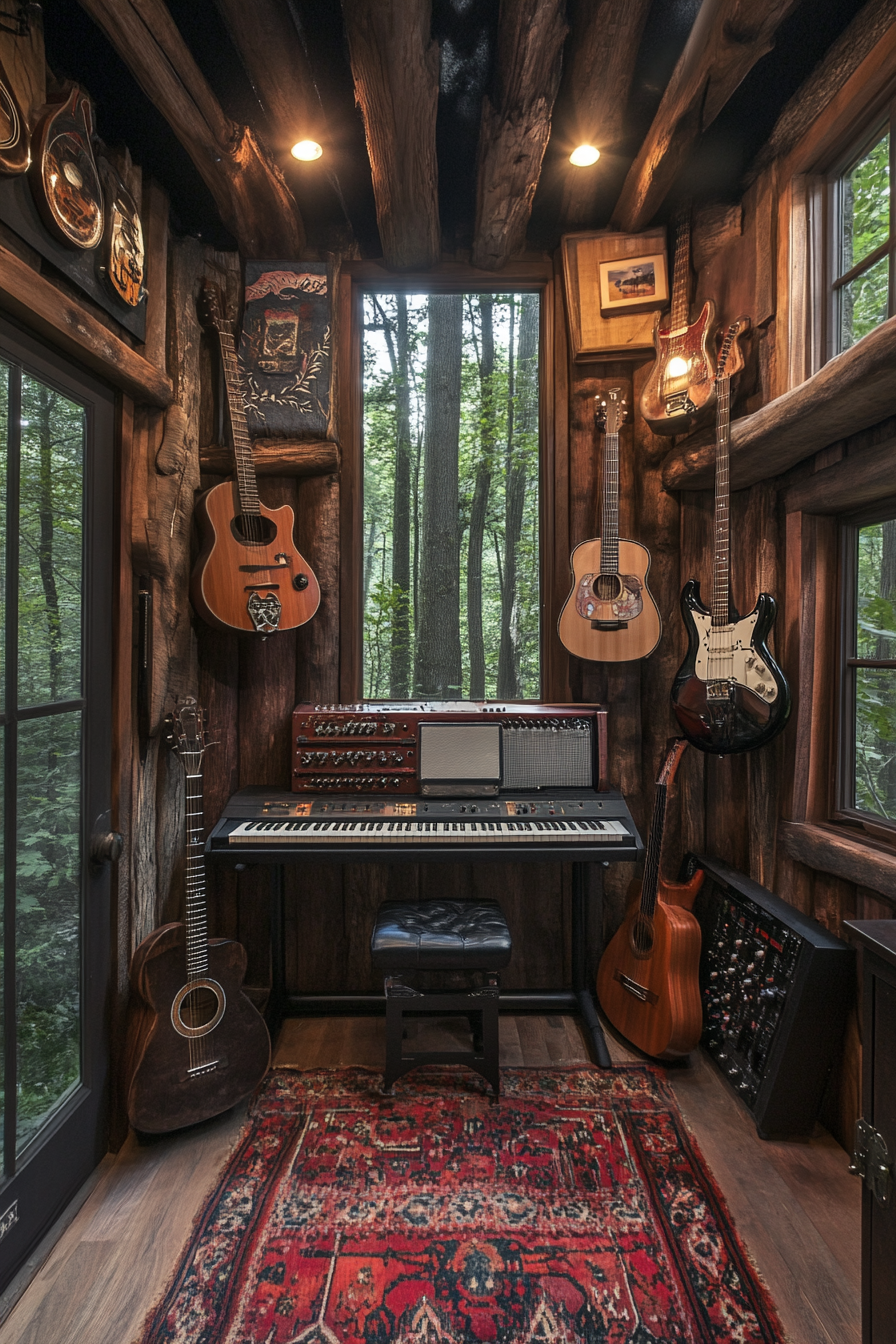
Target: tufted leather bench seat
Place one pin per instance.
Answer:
(421, 936)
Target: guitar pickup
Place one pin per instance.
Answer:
(609, 625)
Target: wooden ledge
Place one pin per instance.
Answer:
(853, 391)
(275, 457)
(826, 849)
(43, 308)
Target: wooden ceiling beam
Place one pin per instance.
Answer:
(515, 127)
(728, 38)
(250, 192)
(395, 66)
(597, 78)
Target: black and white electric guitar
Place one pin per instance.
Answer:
(729, 694)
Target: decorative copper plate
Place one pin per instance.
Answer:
(125, 258)
(65, 180)
(15, 144)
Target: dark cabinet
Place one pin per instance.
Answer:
(875, 1147)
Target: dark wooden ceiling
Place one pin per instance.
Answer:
(335, 196)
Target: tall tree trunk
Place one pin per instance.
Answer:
(46, 399)
(885, 649)
(438, 672)
(400, 665)
(479, 507)
(522, 426)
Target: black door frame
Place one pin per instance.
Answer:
(70, 1146)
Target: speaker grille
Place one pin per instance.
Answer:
(547, 758)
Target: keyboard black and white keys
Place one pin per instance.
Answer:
(569, 825)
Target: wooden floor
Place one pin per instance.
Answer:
(794, 1203)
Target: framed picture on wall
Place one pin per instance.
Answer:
(639, 284)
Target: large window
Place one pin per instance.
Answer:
(867, 773)
(862, 241)
(451, 563)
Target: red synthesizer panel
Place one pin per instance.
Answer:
(374, 748)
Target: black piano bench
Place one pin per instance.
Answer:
(467, 936)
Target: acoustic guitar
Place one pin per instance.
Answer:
(647, 982)
(680, 390)
(729, 694)
(195, 1044)
(610, 615)
(250, 576)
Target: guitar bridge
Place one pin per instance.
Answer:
(720, 692)
(201, 1069)
(680, 404)
(609, 625)
(638, 991)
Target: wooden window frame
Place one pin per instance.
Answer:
(356, 279)
(843, 738)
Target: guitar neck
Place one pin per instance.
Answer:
(721, 567)
(609, 529)
(197, 913)
(242, 447)
(680, 277)
(650, 882)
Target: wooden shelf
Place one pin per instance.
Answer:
(852, 392)
(275, 457)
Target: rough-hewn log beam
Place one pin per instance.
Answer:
(275, 457)
(829, 852)
(395, 65)
(514, 130)
(63, 322)
(249, 190)
(851, 392)
(728, 38)
(599, 64)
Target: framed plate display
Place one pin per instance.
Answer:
(15, 142)
(64, 175)
(124, 256)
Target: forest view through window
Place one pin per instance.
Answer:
(451, 496)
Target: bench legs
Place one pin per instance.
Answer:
(479, 1004)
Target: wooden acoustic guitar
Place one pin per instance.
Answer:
(647, 982)
(610, 615)
(729, 694)
(680, 390)
(195, 1044)
(250, 576)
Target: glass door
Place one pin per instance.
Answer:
(56, 463)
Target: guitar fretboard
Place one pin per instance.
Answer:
(242, 447)
(680, 278)
(721, 568)
(609, 531)
(196, 912)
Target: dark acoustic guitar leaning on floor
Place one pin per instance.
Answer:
(610, 615)
(729, 694)
(680, 389)
(250, 576)
(647, 982)
(195, 1044)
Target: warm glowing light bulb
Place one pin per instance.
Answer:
(584, 156)
(677, 366)
(306, 150)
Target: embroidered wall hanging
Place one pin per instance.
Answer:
(285, 348)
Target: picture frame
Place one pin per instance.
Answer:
(634, 285)
(623, 330)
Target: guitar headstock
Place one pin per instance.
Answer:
(731, 357)
(675, 751)
(211, 307)
(186, 732)
(616, 410)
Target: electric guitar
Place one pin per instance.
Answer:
(647, 981)
(610, 616)
(195, 1044)
(729, 694)
(250, 576)
(680, 390)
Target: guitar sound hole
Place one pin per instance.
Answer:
(198, 1008)
(607, 587)
(253, 529)
(641, 936)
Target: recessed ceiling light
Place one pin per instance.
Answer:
(306, 150)
(584, 156)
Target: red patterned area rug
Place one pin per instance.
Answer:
(577, 1209)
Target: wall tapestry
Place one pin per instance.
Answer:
(285, 348)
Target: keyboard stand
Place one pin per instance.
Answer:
(579, 998)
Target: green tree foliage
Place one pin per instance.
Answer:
(48, 639)
(864, 226)
(489, 527)
(875, 688)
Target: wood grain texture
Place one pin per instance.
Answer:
(857, 861)
(726, 41)
(250, 192)
(851, 392)
(395, 65)
(515, 126)
(275, 457)
(641, 635)
(859, 479)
